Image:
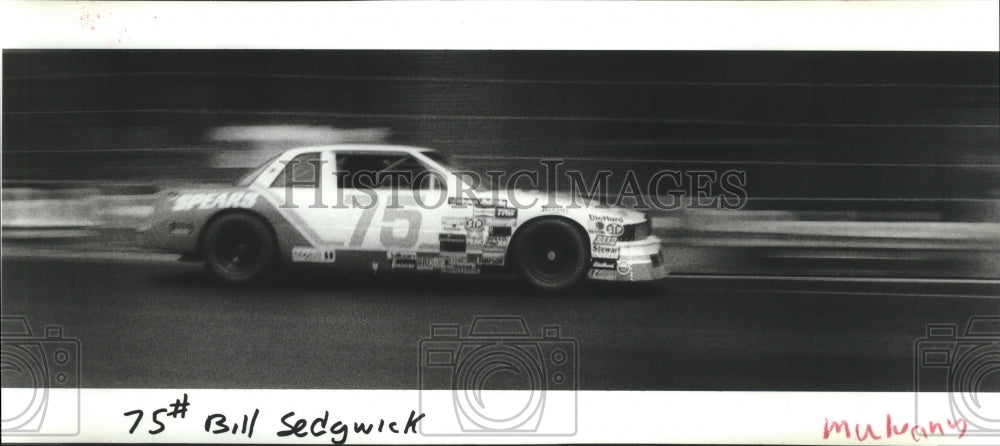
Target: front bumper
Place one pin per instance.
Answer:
(169, 236)
(637, 261)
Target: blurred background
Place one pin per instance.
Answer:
(858, 164)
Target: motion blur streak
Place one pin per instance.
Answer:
(857, 164)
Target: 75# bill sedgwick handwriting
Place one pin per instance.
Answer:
(301, 427)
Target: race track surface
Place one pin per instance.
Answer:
(150, 322)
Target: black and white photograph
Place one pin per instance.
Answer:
(356, 245)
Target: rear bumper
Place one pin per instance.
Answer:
(637, 261)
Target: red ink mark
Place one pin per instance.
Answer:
(88, 20)
(890, 429)
(866, 431)
(862, 436)
(838, 426)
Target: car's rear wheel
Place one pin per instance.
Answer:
(240, 250)
(550, 255)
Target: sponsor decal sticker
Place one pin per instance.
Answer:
(489, 202)
(602, 274)
(500, 223)
(603, 264)
(608, 240)
(477, 202)
(494, 241)
(403, 260)
(453, 223)
(429, 263)
(624, 268)
(506, 213)
(474, 239)
(215, 200)
(483, 212)
(462, 202)
(500, 231)
(604, 252)
(492, 260)
(452, 243)
(606, 218)
(313, 255)
(474, 243)
(614, 229)
(453, 266)
(495, 250)
(474, 224)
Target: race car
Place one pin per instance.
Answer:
(397, 208)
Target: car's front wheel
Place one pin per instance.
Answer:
(550, 255)
(239, 249)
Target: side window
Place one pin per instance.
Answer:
(301, 171)
(355, 171)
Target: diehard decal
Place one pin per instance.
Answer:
(215, 200)
(606, 218)
(313, 255)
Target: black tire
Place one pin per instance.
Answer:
(550, 255)
(239, 249)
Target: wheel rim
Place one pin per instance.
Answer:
(552, 257)
(237, 248)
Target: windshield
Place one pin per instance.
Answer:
(252, 175)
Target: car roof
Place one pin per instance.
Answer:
(359, 148)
